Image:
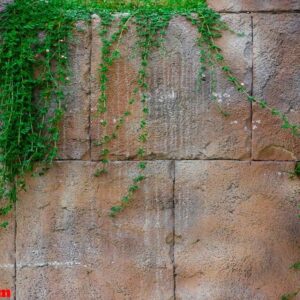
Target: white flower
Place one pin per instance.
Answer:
(67, 78)
(61, 41)
(63, 56)
(47, 50)
(242, 83)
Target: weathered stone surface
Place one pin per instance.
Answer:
(236, 228)
(64, 231)
(7, 254)
(7, 279)
(183, 121)
(254, 5)
(74, 131)
(276, 79)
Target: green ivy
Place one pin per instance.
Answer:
(34, 38)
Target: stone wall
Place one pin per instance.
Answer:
(216, 218)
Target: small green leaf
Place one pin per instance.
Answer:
(133, 188)
(295, 266)
(4, 225)
(99, 172)
(139, 178)
(126, 199)
(142, 165)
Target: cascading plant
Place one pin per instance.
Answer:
(33, 66)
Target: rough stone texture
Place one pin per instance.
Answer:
(74, 141)
(254, 5)
(7, 254)
(183, 121)
(236, 230)
(277, 79)
(67, 243)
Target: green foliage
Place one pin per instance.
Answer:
(33, 68)
(4, 225)
(34, 64)
(150, 27)
(296, 266)
(290, 296)
(295, 172)
(297, 169)
(210, 27)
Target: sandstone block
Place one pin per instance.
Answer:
(183, 121)
(7, 279)
(64, 230)
(7, 254)
(254, 5)
(74, 132)
(237, 230)
(276, 79)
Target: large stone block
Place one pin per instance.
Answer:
(254, 5)
(74, 131)
(237, 230)
(67, 241)
(183, 122)
(276, 79)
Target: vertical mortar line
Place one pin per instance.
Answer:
(174, 232)
(15, 246)
(90, 87)
(252, 87)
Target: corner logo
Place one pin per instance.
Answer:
(5, 293)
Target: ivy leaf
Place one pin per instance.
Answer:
(290, 296)
(142, 165)
(295, 266)
(4, 225)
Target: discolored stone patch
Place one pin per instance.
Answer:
(66, 241)
(183, 122)
(74, 130)
(276, 79)
(254, 5)
(7, 254)
(237, 230)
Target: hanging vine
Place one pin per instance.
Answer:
(34, 70)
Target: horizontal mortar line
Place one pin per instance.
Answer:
(43, 264)
(180, 159)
